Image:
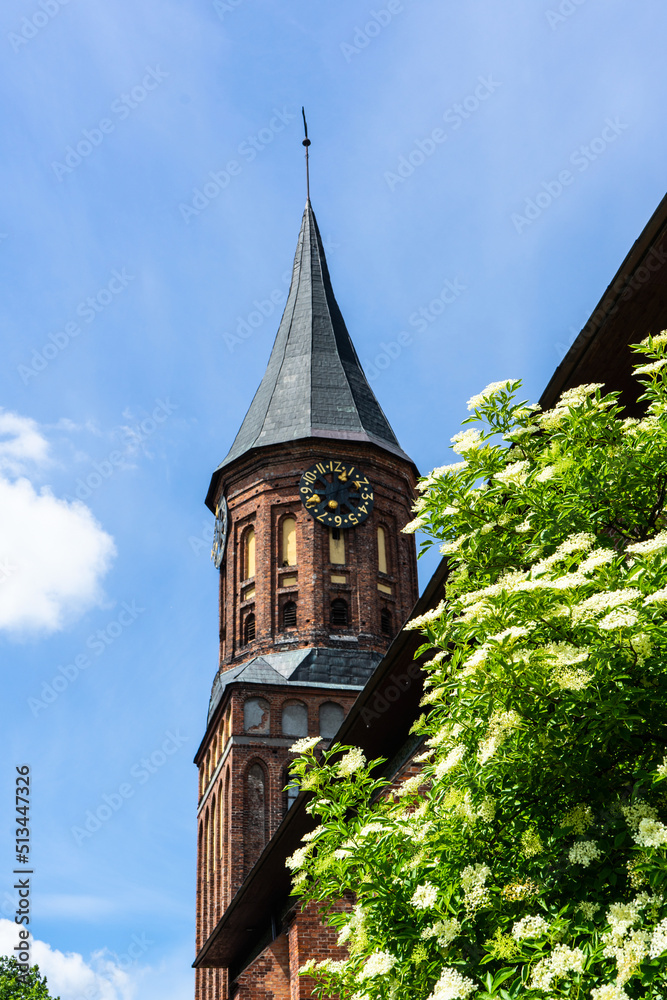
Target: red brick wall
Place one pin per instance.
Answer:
(260, 495)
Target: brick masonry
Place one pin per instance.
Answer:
(245, 752)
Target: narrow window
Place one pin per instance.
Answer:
(295, 719)
(255, 815)
(331, 717)
(249, 629)
(336, 546)
(339, 615)
(256, 717)
(289, 615)
(288, 553)
(382, 551)
(249, 554)
(385, 621)
(291, 791)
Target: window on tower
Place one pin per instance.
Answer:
(249, 629)
(382, 550)
(256, 715)
(339, 613)
(289, 615)
(295, 719)
(385, 621)
(254, 815)
(336, 546)
(249, 554)
(288, 547)
(331, 717)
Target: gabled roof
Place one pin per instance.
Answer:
(314, 385)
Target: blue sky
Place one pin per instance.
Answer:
(134, 338)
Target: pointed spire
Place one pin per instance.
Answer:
(314, 385)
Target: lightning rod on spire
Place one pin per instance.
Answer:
(306, 143)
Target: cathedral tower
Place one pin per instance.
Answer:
(315, 578)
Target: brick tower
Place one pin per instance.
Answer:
(315, 579)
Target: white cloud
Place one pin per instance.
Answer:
(69, 976)
(53, 553)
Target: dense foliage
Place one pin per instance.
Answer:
(528, 859)
(15, 984)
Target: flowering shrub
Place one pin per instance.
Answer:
(529, 859)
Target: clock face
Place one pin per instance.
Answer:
(220, 533)
(336, 493)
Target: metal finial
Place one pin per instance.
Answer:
(306, 143)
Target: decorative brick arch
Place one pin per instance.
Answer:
(255, 811)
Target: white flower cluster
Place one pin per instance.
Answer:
(661, 769)
(488, 393)
(426, 619)
(597, 558)
(609, 992)
(336, 966)
(658, 940)
(559, 963)
(305, 745)
(529, 927)
(651, 545)
(452, 760)
(620, 618)
(353, 761)
(473, 882)
(424, 897)
(604, 601)
(378, 964)
(651, 368)
(571, 680)
(588, 910)
(466, 441)
(514, 474)
(659, 340)
(651, 833)
(452, 986)
(415, 525)
(298, 859)
(583, 852)
(444, 470)
(501, 724)
(444, 930)
(622, 942)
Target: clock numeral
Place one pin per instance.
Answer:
(366, 496)
(320, 468)
(363, 508)
(338, 519)
(353, 519)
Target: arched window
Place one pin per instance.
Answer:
(336, 546)
(331, 717)
(339, 613)
(254, 815)
(288, 547)
(256, 715)
(385, 621)
(295, 719)
(382, 551)
(249, 554)
(249, 629)
(289, 614)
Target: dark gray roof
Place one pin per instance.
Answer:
(332, 668)
(314, 385)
